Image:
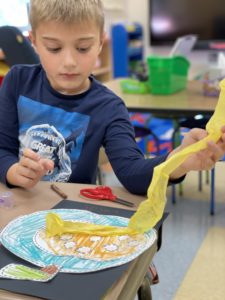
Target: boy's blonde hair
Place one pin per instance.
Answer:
(67, 11)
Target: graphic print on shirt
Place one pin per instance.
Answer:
(54, 133)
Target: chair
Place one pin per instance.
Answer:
(16, 48)
(142, 132)
(103, 159)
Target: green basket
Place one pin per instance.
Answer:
(167, 75)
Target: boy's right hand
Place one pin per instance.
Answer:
(29, 170)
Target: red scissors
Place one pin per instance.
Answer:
(103, 193)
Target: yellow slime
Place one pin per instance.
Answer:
(151, 210)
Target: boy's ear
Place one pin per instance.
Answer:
(32, 39)
(102, 40)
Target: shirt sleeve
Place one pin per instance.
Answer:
(9, 144)
(132, 168)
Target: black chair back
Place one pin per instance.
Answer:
(16, 47)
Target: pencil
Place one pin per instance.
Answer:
(58, 191)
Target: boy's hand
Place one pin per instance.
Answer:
(29, 170)
(202, 160)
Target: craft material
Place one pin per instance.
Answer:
(6, 199)
(58, 191)
(22, 237)
(90, 247)
(22, 272)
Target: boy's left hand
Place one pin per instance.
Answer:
(202, 160)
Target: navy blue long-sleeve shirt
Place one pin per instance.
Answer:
(69, 130)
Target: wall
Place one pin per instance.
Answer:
(128, 10)
(115, 11)
(138, 11)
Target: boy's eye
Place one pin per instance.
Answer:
(83, 49)
(54, 50)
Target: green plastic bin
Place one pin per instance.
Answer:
(167, 75)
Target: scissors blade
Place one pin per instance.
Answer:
(124, 202)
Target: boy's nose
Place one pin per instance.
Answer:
(70, 59)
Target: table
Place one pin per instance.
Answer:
(29, 201)
(188, 102)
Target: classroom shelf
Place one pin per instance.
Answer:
(127, 48)
(103, 70)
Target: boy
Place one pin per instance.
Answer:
(54, 117)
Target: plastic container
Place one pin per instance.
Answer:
(211, 88)
(167, 75)
(211, 82)
(133, 86)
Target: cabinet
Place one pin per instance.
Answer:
(127, 48)
(103, 69)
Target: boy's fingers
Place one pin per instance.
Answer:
(34, 166)
(222, 142)
(198, 134)
(47, 164)
(31, 164)
(27, 182)
(217, 149)
(31, 154)
(28, 173)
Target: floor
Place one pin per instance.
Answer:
(191, 261)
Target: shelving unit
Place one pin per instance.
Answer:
(127, 48)
(103, 70)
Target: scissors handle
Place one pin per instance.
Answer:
(92, 195)
(103, 193)
(98, 193)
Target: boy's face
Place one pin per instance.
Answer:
(68, 53)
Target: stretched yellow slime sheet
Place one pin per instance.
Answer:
(151, 210)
